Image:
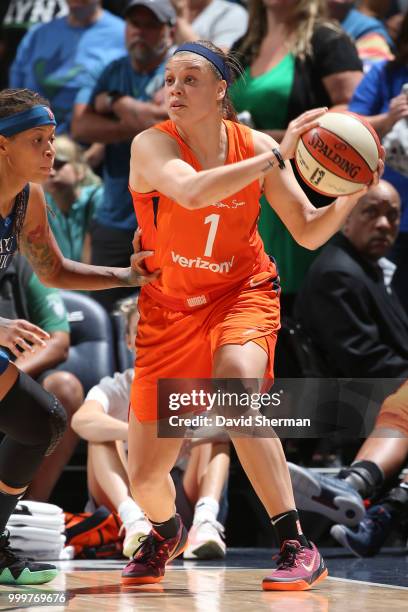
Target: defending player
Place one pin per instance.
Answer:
(33, 421)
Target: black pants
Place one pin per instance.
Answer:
(399, 255)
(33, 422)
(111, 247)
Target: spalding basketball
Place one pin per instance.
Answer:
(339, 156)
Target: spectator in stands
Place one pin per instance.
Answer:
(294, 60)
(220, 21)
(120, 106)
(369, 33)
(380, 459)
(22, 296)
(73, 193)
(102, 421)
(16, 17)
(58, 58)
(365, 329)
(380, 97)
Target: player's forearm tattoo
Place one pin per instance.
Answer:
(36, 247)
(269, 166)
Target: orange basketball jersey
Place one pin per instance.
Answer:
(203, 253)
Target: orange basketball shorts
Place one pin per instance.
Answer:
(171, 344)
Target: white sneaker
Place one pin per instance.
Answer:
(205, 540)
(134, 531)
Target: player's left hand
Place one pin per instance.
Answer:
(355, 197)
(297, 127)
(137, 274)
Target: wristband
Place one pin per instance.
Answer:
(279, 158)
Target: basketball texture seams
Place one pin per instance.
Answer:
(340, 155)
(331, 146)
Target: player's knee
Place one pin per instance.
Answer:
(142, 478)
(233, 397)
(67, 389)
(57, 423)
(32, 416)
(394, 412)
(231, 366)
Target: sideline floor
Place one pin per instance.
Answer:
(233, 585)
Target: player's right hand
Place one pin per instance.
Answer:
(18, 336)
(297, 127)
(139, 275)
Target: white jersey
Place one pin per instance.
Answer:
(113, 393)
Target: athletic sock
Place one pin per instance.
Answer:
(206, 507)
(129, 511)
(364, 476)
(287, 527)
(396, 501)
(8, 502)
(167, 529)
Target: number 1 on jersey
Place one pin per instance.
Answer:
(214, 220)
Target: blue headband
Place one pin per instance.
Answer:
(212, 57)
(31, 118)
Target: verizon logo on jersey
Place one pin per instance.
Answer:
(203, 264)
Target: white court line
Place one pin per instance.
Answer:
(374, 584)
(211, 567)
(116, 565)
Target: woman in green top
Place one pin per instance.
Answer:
(294, 59)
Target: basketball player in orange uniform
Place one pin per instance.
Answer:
(196, 181)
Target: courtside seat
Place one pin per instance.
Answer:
(91, 354)
(295, 355)
(124, 358)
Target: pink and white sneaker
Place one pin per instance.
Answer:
(134, 531)
(299, 568)
(205, 540)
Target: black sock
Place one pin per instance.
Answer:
(396, 501)
(7, 504)
(364, 476)
(168, 529)
(287, 527)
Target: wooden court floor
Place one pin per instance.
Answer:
(212, 587)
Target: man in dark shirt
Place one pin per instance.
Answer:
(347, 304)
(348, 307)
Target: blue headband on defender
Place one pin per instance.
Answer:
(31, 118)
(212, 57)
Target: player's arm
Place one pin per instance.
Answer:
(38, 244)
(89, 126)
(156, 164)
(46, 309)
(92, 423)
(55, 352)
(310, 226)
